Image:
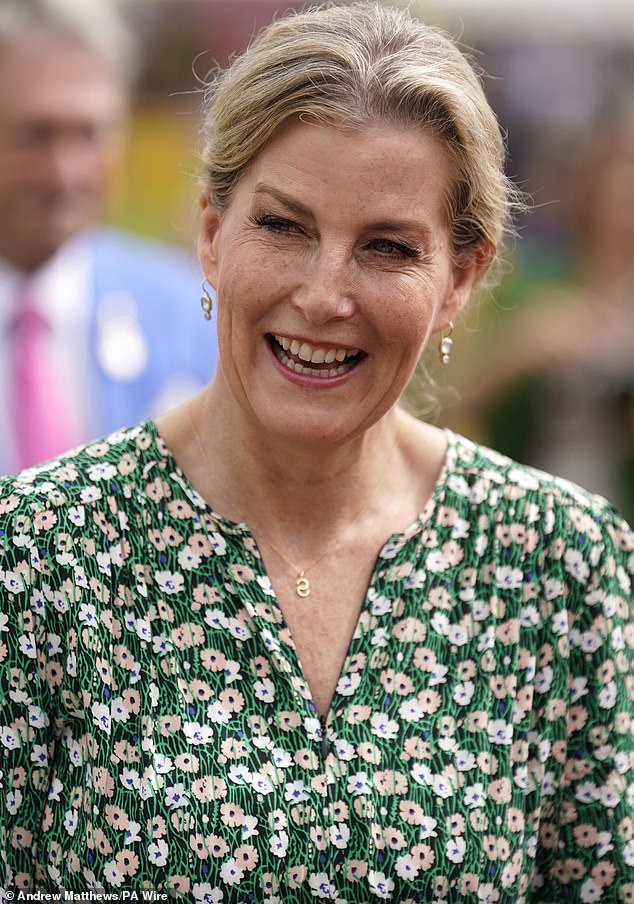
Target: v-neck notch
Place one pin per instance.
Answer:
(388, 550)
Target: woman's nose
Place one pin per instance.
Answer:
(327, 289)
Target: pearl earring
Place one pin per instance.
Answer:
(445, 345)
(206, 303)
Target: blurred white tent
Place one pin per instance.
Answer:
(554, 20)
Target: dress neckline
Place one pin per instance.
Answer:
(241, 528)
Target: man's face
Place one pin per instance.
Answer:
(62, 118)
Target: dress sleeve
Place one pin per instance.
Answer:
(29, 682)
(588, 839)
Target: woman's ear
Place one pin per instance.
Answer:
(465, 274)
(207, 240)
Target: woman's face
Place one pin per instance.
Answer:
(332, 266)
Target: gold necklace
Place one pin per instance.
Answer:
(302, 584)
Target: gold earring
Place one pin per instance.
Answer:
(205, 302)
(445, 345)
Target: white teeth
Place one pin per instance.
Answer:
(315, 354)
(305, 352)
(311, 371)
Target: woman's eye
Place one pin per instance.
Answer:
(275, 223)
(394, 249)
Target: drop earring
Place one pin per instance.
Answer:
(206, 302)
(445, 345)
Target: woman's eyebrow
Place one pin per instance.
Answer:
(396, 224)
(297, 207)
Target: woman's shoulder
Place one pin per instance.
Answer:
(490, 480)
(86, 474)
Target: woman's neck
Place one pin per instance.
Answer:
(294, 481)
(287, 488)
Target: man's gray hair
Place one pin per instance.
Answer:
(96, 25)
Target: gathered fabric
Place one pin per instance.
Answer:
(158, 731)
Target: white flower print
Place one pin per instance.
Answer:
(438, 674)
(544, 680)
(265, 585)
(348, 684)
(339, 835)
(383, 727)
(428, 828)
(77, 515)
(13, 800)
(249, 827)
(196, 733)
(118, 710)
(170, 582)
(500, 732)
(487, 893)
(380, 884)
(219, 544)
(27, 645)
(359, 783)
(465, 760)
(239, 775)
(406, 868)
(216, 619)
(442, 787)
(176, 796)
(410, 711)
(436, 562)
(264, 690)
(188, 560)
(576, 565)
(205, 894)
(101, 716)
(560, 622)
(295, 791)
(70, 822)
(102, 471)
(13, 582)
(455, 849)
(587, 792)
(112, 874)
(278, 844)
(238, 629)
(591, 891)
(90, 495)
(508, 578)
(230, 872)
(529, 616)
(464, 693)
(421, 774)
(132, 833)
(607, 696)
(217, 714)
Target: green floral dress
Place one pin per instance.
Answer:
(157, 732)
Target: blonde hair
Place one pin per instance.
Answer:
(354, 67)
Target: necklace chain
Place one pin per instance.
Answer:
(302, 584)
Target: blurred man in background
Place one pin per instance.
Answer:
(97, 328)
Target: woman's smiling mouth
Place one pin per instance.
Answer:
(303, 357)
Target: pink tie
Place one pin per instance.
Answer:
(42, 426)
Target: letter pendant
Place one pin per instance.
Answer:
(302, 585)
